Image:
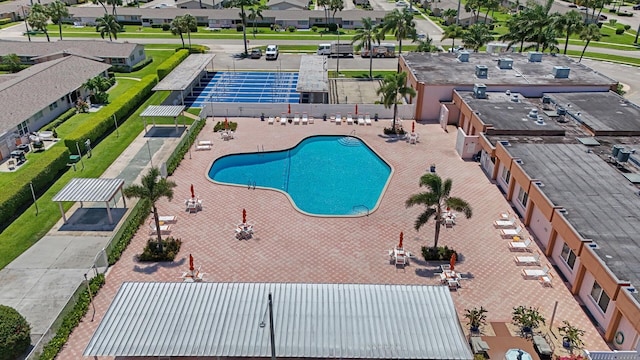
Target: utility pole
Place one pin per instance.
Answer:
(272, 335)
(338, 55)
(24, 16)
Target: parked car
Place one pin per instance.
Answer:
(256, 53)
(572, 5)
(401, 3)
(272, 52)
(636, 7)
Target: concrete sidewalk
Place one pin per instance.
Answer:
(40, 282)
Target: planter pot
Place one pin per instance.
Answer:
(475, 329)
(526, 329)
(262, 117)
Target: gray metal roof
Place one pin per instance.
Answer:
(183, 75)
(92, 190)
(163, 111)
(97, 48)
(313, 76)
(310, 321)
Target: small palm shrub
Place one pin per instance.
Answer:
(153, 252)
(441, 253)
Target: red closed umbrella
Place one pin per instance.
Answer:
(356, 109)
(401, 238)
(413, 127)
(244, 216)
(193, 193)
(226, 124)
(191, 267)
(452, 261)
(289, 108)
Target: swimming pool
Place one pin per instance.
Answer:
(323, 175)
(247, 87)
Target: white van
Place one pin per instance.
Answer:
(272, 52)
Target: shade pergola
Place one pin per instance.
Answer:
(154, 111)
(193, 68)
(90, 190)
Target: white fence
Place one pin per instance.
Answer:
(613, 355)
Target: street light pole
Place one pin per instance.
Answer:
(338, 55)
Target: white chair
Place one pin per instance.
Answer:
(163, 228)
(349, 119)
(296, 119)
(453, 284)
(203, 147)
(527, 259)
(511, 222)
(401, 261)
(305, 119)
(311, 120)
(535, 273)
(520, 245)
(283, 119)
(546, 280)
(511, 232)
(413, 138)
(168, 218)
(360, 120)
(271, 120)
(367, 119)
(338, 119)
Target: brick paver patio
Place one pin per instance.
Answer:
(291, 247)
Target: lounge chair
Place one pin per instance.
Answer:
(203, 147)
(360, 120)
(542, 346)
(163, 228)
(305, 119)
(338, 119)
(311, 120)
(296, 119)
(401, 261)
(478, 345)
(271, 120)
(511, 222)
(168, 218)
(527, 259)
(546, 280)
(520, 245)
(349, 119)
(535, 273)
(367, 119)
(511, 232)
(283, 119)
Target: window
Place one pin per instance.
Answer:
(53, 106)
(600, 297)
(23, 128)
(523, 197)
(140, 52)
(506, 175)
(38, 115)
(132, 57)
(568, 255)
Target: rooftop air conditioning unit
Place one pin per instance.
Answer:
(515, 98)
(505, 63)
(535, 56)
(546, 99)
(533, 114)
(615, 150)
(463, 56)
(480, 91)
(561, 111)
(481, 71)
(561, 72)
(623, 156)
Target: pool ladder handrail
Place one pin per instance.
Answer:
(251, 184)
(353, 132)
(361, 206)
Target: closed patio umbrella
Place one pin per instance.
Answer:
(193, 193)
(191, 267)
(356, 109)
(401, 238)
(452, 261)
(244, 216)
(226, 124)
(413, 127)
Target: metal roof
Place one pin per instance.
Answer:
(310, 321)
(94, 190)
(183, 75)
(313, 76)
(163, 111)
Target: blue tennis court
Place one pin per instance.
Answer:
(247, 87)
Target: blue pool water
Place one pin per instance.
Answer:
(247, 87)
(323, 175)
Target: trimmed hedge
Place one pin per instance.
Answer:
(14, 333)
(61, 119)
(183, 146)
(195, 49)
(5, 21)
(42, 171)
(168, 65)
(136, 218)
(102, 123)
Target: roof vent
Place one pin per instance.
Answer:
(480, 91)
(615, 150)
(623, 156)
(546, 99)
(505, 63)
(481, 71)
(593, 245)
(563, 211)
(561, 72)
(508, 92)
(533, 113)
(561, 111)
(504, 142)
(631, 289)
(463, 56)
(535, 56)
(515, 98)
(539, 183)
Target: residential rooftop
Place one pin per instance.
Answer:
(600, 202)
(101, 49)
(446, 69)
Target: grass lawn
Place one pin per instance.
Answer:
(120, 88)
(600, 56)
(10, 24)
(158, 57)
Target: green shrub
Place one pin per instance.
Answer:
(398, 131)
(627, 27)
(183, 147)
(438, 254)
(59, 120)
(314, 28)
(151, 252)
(220, 126)
(166, 27)
(141, 64)
(123, 237)
(5, 21)
(71, 320)
(332, 27)
(102, 122)
(168, 65)
(291, 28)
(41, 171)
(239, 27)
(15, 333)
(619, 31)
(4, 67)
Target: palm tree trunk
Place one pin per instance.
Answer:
(395, 113)
(370, 62)
(189, 35)
(566, 41)
(244, 30)
(255, 28)
(157, 222)
(521, 46)
(60, 28)
(182, 39)
(436, 235)
(453, 42)
(47, 35)
(583, 50)
(400, 47)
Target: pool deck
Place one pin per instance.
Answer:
(291, 247)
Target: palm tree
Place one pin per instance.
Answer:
(491, 5)
(12, 61)
(325, 4)
(255, 13)
(335, 6)
(436, 200)
(401, 25)
(453, 32)
(189, 23)
(518, 31)
(392, 86)
(108, 25)
(57, 11)
(588, 34)
(177, 28)
(38, 19)
(242, 4)
(366, 36)
(477, 36)
(547, 39)
(449, 15)
(569, 23)
(113, 4)
(425, 45)
(152, 189)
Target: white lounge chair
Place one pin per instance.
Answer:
(311, 120)
(360, 120)
(338, 119)
(296, 119)
(271, 120)
(283, 119)
(203, 147)
(520, 245)
(163, 228)
(527, 259)
(546, 280)
(167, 218)
(367, 119)
(305, 119)
(511, 232)
(535, 273)
(349, 119)
(401, 261)
(511, 222)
